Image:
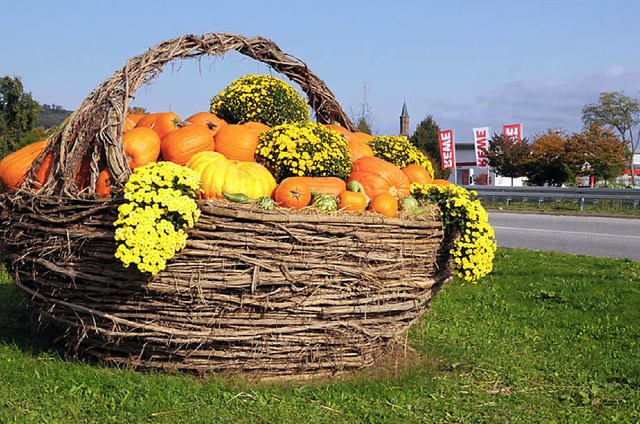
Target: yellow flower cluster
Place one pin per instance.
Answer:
(304, 149)
(399, 151)
(151, 225)
(260, 98)
(475, 249)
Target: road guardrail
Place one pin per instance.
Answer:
(624, 197)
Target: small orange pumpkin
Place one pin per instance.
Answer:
(161, 122)
(237, 142)
(386, 204)
(209, 119)
(180, 145)
(141, 146)
(417, 174)
(352, 201)
(293, 193)
(104, 183)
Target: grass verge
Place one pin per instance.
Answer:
(545, 338)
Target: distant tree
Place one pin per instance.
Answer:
(548, 162)
(507, 156)
(598, 152)
(18, 113)
(425, 138)
(362, 117)
(619, 112)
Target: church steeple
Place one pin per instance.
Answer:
(404, 121)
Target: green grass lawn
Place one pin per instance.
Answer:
(545, 338)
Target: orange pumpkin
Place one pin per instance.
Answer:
(417, 174)
(103, 183)
(180, 145)
(43, 172)
(131, 120)
(209, 119)
(83, 173)
(161, 122)
(237, 142)
(15, 166)
(293, 193)
(379, 176)
(257, 126)
(352, 201)
(385, 203)
(439, 181)
(323, 185)
(359, 149)
(141, 146)
(359, 136)
(339, 128)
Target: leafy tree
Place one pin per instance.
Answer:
(18, 113)
(425, 138)
(619, 112)
(507, 156)
(548, 162)
(600, 151)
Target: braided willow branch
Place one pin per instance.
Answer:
(95, 129)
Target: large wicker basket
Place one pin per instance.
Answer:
(271, 293)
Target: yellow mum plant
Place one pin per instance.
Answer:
(399, 151)
(260, 98)
(304, 149)
(150, 227)
(475, 249)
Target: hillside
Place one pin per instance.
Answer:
(51, 115)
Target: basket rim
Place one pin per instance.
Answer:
(93, 132)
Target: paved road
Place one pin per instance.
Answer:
(588, 235)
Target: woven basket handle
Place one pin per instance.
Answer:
(95, 129)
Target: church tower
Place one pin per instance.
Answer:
(404, 121)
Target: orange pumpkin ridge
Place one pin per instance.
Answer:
(209, 119)
(237, 142)
(15, 166)
(180, 145)
(417, 174)
(161, 122)
(379, 176)
(323, 185)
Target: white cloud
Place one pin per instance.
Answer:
(538, 104)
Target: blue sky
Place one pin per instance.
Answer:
(466, 63)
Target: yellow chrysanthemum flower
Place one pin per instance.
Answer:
(161, 203)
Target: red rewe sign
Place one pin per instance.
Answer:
(480, 138)
(447, 149)
(513, 131)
